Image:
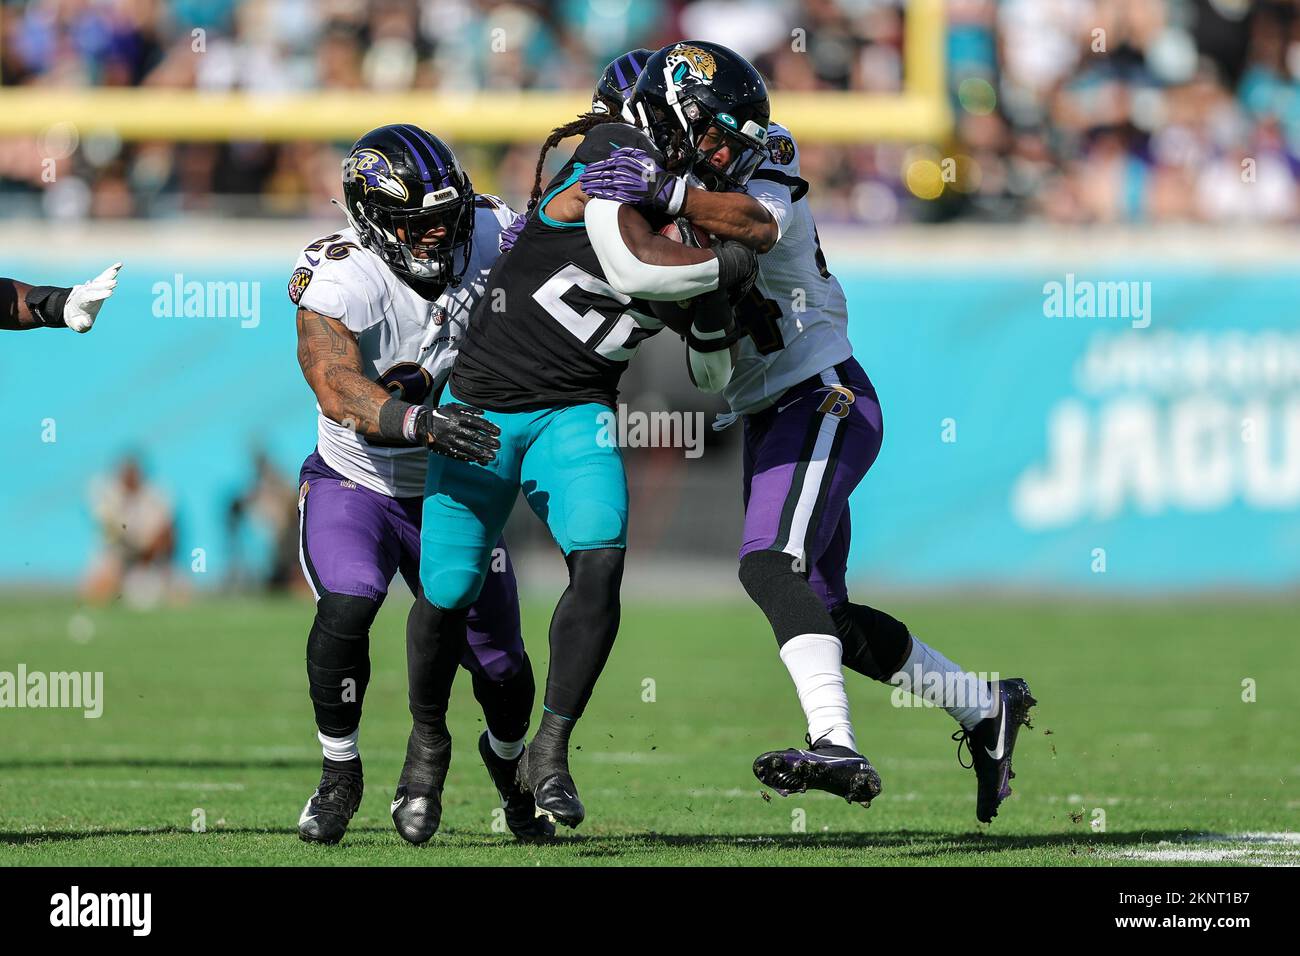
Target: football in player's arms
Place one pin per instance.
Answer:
(382, 305)
(813, 428)
(578, 287)
(24, 306)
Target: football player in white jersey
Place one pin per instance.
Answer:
(381, 305)
(813, 428)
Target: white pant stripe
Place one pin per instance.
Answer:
(302, 538)
(812, 479)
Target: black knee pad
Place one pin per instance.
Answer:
(596, 566)
(875, 643)
(346, 615)
(338, 660)
(596, 575)
(784, 595)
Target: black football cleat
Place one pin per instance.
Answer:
(325, 817)
(991, 743)
(521, 809)
(554, 792)
(417, 804)
(838, 770)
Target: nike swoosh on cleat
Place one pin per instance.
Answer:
(1002, 737)
(393, 807)
(831, 759)
(305, 817)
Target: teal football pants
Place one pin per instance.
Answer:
(569, 467)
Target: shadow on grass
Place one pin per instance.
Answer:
(15, 838)
(159, 763)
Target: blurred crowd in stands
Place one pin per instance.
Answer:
(1067, 111)
(139, 526)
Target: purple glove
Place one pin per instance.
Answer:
(510, 234)
(632, 175)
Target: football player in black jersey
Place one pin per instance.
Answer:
(563, 314)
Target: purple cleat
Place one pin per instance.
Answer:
(838, 770)
(991, 743)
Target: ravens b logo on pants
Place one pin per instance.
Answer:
(837, 402)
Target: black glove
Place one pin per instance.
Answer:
(458, 431)
(737, 268)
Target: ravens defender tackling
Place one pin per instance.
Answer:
(812, 423)
(382, 306)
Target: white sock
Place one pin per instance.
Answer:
(813, 661)
(506, 749)
(340, 749)
(930, 676)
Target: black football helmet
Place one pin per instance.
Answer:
(401, 182)
(690, 87)
(617, 81)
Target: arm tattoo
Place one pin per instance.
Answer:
(331, 364)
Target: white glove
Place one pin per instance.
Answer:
(85, 300)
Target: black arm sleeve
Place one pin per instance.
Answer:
(8, 304)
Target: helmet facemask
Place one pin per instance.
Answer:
(708, 133)
(396, 234)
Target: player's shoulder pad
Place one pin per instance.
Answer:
(602, 140)
(782, 151)
(489, 209)
(325, 268)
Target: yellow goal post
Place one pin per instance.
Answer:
(918, 114)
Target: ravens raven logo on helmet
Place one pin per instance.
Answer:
(373, 170)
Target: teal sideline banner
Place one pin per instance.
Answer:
(1128, 428)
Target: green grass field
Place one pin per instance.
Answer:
(206, 718)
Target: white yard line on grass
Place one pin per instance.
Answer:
(1277, 849)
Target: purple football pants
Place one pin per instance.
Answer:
(352, 540)
(804, 455)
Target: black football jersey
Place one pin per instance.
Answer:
(550, 330)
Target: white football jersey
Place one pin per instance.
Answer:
(808, 330)
(407, 343)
